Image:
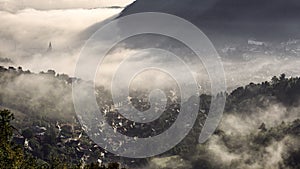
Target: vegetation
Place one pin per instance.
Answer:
(45, 133)
(14, 156)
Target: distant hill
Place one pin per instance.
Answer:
(274, 20)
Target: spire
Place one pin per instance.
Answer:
(49, 47)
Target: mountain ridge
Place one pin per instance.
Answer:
(231, 18)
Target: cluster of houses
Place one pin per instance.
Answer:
(253, 47)
(67, 135)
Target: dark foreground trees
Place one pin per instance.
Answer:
(11, 156)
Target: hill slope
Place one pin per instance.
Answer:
(231, 18)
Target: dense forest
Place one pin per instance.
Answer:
(39, 129)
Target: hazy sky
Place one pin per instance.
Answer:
(13, 5)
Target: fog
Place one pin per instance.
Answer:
(29, 26)
(244, 144)
(37, 95)
(238, 72)
(25, 36)
(14, 5)
(26, 33)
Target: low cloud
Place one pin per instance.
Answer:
(14, 5)
(25, 36)
(241, 144)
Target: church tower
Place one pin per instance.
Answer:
(49, 47)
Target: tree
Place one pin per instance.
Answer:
(282, 77)
(10, 156)
(27, 133)
(6, 130)
(274, 80)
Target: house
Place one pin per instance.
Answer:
(256, 43)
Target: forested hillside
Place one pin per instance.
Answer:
(260, 127)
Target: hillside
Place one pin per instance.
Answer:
(260, 123)
(231, 19)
